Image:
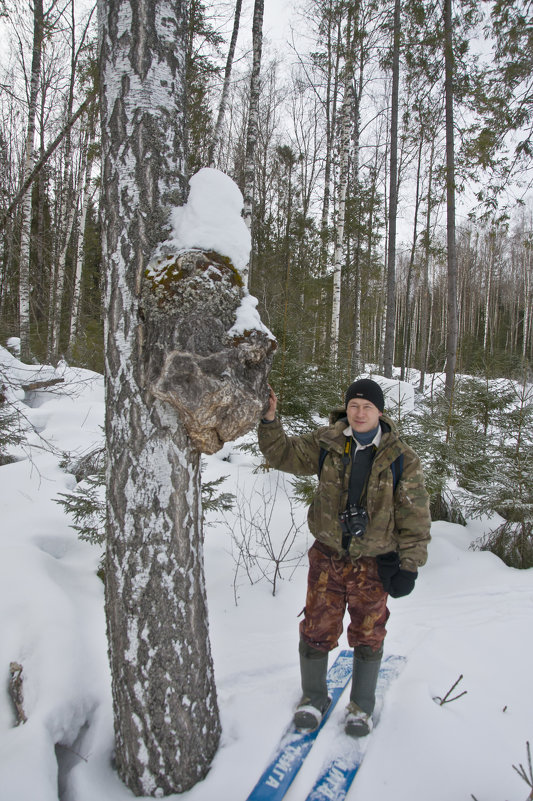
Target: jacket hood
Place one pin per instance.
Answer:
(332, 438)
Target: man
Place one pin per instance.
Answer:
(370, 519)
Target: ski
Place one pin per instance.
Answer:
(295, 745)
(340, 770)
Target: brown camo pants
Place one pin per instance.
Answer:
(332, 586)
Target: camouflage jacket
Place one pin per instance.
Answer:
(398, 520)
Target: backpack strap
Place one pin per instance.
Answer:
(345, 457)
(397, 469)
(321, 456)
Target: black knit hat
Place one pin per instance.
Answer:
(367, 389)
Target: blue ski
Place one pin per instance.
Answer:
(294, 745)
(339, 772)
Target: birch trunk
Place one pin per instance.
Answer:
(75, 311)
(253, 122)
(408, 327)
(172, 391)
(425, 313)
(388, 345)
(452, 330)
(225, 87)
(24, 268)
(165, 708)
(345, 123)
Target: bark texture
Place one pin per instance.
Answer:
(158, 338)
(216, 380)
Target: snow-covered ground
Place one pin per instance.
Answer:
(469, 615)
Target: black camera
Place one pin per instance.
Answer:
(353, 521)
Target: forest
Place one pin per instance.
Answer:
(356, 159)
(382, 157)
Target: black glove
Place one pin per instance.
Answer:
(388, 566)
(396, 582)
(402, 583)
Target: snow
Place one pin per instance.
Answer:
(469, 615)
(211, 218)
(211, 221)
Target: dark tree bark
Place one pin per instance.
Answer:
(29, 156)
(225, 87)
(452, 331)
(388, 346)
(253, 119)
(173, 372)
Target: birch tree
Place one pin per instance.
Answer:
(345, 126)
(388, 346)
(29, 156)
(225, 87)
(178, 383)
(253, 118)
(452, 332)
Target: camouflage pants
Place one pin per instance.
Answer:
(334, 585)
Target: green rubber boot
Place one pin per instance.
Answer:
(366, 664)
(314, 701)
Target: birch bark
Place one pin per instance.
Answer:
(225, 87)
(24, 268)
(253, 121)
(388, 346)
(165, 707)
(345, 125)
(452, 331)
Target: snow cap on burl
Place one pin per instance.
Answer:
(208, 352)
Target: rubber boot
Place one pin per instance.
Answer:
(314, 701)
(366, 664)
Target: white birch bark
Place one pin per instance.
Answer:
(452, 323)
(165, 708)
(24, 266)
(82, 220)
(388, 344)
(253, 122)
(488, 292)
(70, 209)
(345, 123)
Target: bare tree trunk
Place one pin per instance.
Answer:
(452, 331)
(177, 383)
(24, 266)
(225, 88)
(388, 346)
(345, 126)
(526, 275)
(253, 122)
(75, 311)
(425, 311)
(408, 327)
(165, 708)
(488, 289)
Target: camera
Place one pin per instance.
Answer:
(353, 521)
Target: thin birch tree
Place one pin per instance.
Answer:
(29, 157)
(253, 121)
(452, 330)
(226, 85)
(388, 345)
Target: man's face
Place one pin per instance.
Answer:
(362, 415)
